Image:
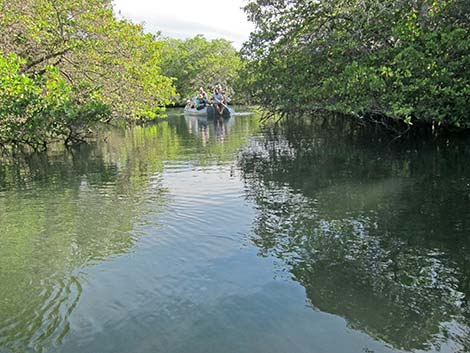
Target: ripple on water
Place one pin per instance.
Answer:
(134, 245)
(44, 320)
(202, 210)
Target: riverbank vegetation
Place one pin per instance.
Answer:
(65, 68)
(197, 62)
(405, 60)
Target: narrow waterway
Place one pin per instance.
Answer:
(188, 235)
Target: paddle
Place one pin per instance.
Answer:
(221, 103)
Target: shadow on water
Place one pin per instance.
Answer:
(377, 231)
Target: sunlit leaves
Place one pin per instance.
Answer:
(34, 111)
(398, 59)
(83, 61)
(199, 62)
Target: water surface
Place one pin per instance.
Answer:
(190, 235)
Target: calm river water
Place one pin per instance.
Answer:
(199, 236)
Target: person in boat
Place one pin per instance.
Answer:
(219, 99)
(201, 100)
(203, 93)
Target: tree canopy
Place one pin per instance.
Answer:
(197, 62)
(403, 59)
(66, 66)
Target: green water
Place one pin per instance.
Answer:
(199, 236)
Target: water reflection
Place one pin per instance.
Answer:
(137, 241)
(59, 213)
(204, 128)
(63, 212)
(377, 233)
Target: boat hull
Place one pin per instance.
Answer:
(209, 112)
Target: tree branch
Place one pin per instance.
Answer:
(44, 58)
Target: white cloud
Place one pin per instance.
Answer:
(186, 18)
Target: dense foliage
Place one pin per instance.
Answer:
(66, 66)
(403, 59)
(197, 62)
(34, 110)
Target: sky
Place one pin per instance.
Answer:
(187, 18)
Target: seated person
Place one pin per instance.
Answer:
(202, 92)
(219, 99)
(201, 102)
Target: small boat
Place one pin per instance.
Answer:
(209, 112)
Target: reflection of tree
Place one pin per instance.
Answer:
(216, 139)
(62, 211)
(59, 213)
(376, 236)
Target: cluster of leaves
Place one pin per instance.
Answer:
(402, 59)
(197, 62)
(78, 59)
(34, 111)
